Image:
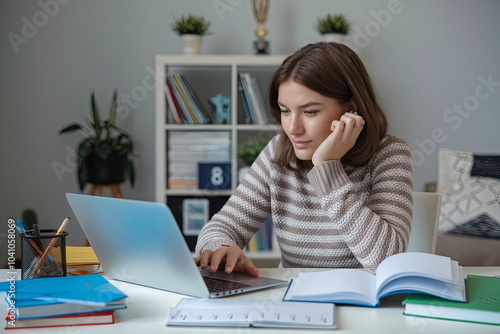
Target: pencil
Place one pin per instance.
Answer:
(51, 245)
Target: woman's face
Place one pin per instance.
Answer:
(306, 117)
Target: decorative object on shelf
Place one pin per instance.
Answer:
(104, 155)
(191, 30)
(260, 9)
(333, 28)
(248, 152)
(222, 106)
(214, 175)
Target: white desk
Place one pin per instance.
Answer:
(148, 310)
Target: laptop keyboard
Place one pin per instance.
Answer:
(220, 285)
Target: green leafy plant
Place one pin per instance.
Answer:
(248, 151)
(29, 217)
(337, 23)
(192, 24)
(103, 139)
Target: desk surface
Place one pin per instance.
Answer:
(148, 310)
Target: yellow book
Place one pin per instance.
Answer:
(76, 255)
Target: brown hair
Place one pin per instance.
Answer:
(335, 71)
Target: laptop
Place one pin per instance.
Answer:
(140, 242)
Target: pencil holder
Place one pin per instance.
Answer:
(43, 255)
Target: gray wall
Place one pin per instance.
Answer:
(428, 59)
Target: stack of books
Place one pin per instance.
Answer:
(183, 103)
(482, 306)
(188, 148)
(82, 261)
(61, 301)
(253, 100)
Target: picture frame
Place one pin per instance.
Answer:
(194, 215)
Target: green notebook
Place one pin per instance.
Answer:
(482, 306)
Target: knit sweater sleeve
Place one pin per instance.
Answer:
(378, 226)
(244, 212)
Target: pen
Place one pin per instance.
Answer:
(51, 245)
(22, 225)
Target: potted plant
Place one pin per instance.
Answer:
(333, 28)
(191, 29)
(248, 152)
(104, 155)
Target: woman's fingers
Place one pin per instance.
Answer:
(232, 257)
(217, 257)
(247, 267)
(204, 259)
(357, 121)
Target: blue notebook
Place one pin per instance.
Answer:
(33, 309)
(92, 290)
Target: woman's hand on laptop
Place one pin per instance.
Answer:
(231, 256)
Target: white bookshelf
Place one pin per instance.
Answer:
(210, 72)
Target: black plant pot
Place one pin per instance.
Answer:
(109, 171)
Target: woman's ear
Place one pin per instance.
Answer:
(352, 106)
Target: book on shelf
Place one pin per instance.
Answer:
(182, 106)
(262, 239)
(483, 303)
(400, 273)
(251, 313)
(186, 149)
(195, 99)
(249, 115)
(174, 183)
(253, 98)
(260, 101)
(174, 106)
(83, 319)
(192, 107)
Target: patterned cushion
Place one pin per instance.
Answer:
(471, 193)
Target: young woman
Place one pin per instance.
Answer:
(338, 187)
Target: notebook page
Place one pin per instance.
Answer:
(423, 264)
(324, 285)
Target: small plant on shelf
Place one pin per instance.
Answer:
(248, 151)
(192, 24)
(336, 23)
(104, 155)
(191, 30)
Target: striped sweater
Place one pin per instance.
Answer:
(333, 216)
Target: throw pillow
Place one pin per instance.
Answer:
(471, 193)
